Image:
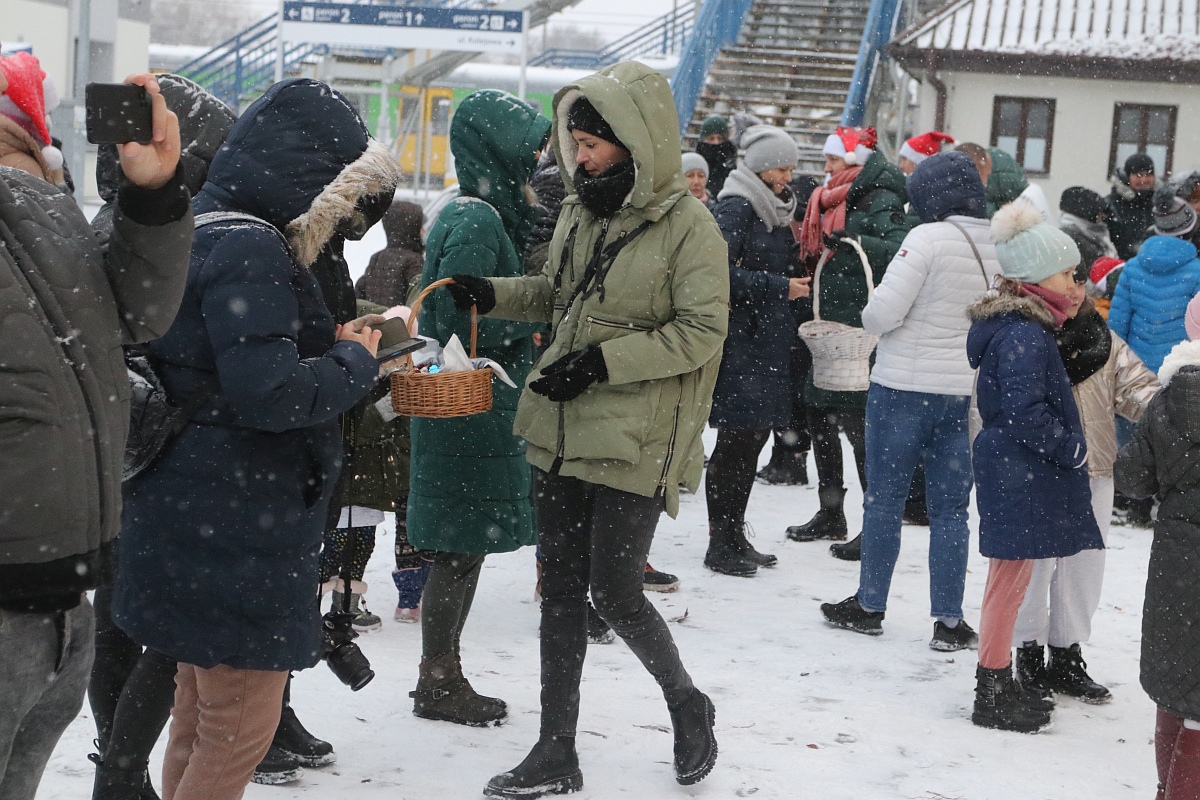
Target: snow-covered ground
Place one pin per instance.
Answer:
(803, 710)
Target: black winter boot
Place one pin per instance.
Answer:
(292, 737)
(552, 767)
(847, 551)
(1067, 674)
(695, 742)
(743, 545)
(1031, 670)
(998, 703)
(443, 693)
(724, 555)
(277, 767)
(115, 783)
(786, 468)
(849, 614)
(828, 523)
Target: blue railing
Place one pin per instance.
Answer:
(661, 37)
(878, 32)
(716, 26)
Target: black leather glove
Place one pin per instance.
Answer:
(569, 376)
(836, 239)
(469, 290)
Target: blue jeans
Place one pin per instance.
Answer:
(903, 427)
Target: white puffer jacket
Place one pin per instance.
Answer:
(919, 308)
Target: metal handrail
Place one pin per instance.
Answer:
(662, 36)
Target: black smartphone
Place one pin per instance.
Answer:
(118, 113)
(401, 349)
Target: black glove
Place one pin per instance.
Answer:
(569, 376)
(836, 239)
(469, 290)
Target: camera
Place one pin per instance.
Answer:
(340, 652)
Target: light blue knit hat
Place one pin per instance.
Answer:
(1028, 248)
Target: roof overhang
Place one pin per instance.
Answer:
(918, 60)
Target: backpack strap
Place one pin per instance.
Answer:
(987, 284)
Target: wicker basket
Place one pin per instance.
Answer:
(841, 353)
(441, 395)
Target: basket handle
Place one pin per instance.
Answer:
(816, 283)
(416, 312)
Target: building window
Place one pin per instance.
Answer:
(1143, 129)
(1023, 127)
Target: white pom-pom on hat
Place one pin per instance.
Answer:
(53, 157)
(1014, 218)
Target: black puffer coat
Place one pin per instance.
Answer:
(1163, 460)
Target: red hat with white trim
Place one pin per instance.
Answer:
(852, 145)
(919, 148)
(24, 91)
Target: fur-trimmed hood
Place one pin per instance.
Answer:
(1184, 354)
(995, 312)
(1180, 375)
(1121, 188)
(300, 158)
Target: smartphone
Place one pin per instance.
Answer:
(118, 113)
(397, 350)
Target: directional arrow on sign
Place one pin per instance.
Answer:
(293, 13)
(512, 24)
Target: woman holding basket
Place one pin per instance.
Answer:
(856, 220)
(637, 290)
(470, 490)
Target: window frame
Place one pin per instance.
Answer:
(1051, 104)
(1169, 162)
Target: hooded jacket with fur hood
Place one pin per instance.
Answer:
(659, 313)
(1163, 461)
(234, 579)
(1030, 459)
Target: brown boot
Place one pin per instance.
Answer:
(443, 693)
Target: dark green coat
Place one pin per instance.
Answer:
(1007, 181)
(470, 487)
(875, 216)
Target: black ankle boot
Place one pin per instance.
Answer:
(1031, 669)
(292, 737)
(552, 767)
(828, 523)
(1067, 674)
(743, 545)
(115, 783)
(847, 551)
(695, 742)
(724, 555)
(998, 703)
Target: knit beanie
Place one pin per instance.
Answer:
(1191, 321)
(583, 116)
(852, 145)
(1028, 248)
(767, 147)
(714, 124)
(1081, 202)
(693, 161)
(1139, 162)
(1173, 217)
(919, 148)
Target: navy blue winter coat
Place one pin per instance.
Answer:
(1031, 478)
(1151, 298)
(219, 549)
(754, 386)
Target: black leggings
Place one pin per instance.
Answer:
(597, 538)
(794, 440)
(335, 544)
(730, 475)
(116, 656)
(449, 592)
(824, 424)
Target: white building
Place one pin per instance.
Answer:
(1070, 88)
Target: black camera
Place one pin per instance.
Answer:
(340, 652)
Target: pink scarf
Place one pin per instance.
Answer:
(826, 211)
(1057, 304)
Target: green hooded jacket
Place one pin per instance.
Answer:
(660, 320)
(470, 488)
(875, 216)
(1006, 182)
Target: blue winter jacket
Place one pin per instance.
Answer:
(1151, 298)
(754, 385)
(1030, 459)
(219, 549)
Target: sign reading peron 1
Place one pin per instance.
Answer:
(403, 27)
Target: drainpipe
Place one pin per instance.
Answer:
(939, 88)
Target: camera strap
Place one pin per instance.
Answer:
(349, 433)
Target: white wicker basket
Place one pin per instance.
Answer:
(841, 353)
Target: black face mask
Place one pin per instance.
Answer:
(719, 153)
(604, 194)
(367, 213)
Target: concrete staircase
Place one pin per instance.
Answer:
(791, 66)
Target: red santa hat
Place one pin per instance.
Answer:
(852, 145)
(1101, 267)
(919, 148)
(22, 87)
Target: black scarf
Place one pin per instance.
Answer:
(604, 194)
(1084, 342)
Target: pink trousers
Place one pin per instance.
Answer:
(1002, 596)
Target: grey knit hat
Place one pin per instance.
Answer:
(767, 147)
(1173, 217)
(693, 161)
